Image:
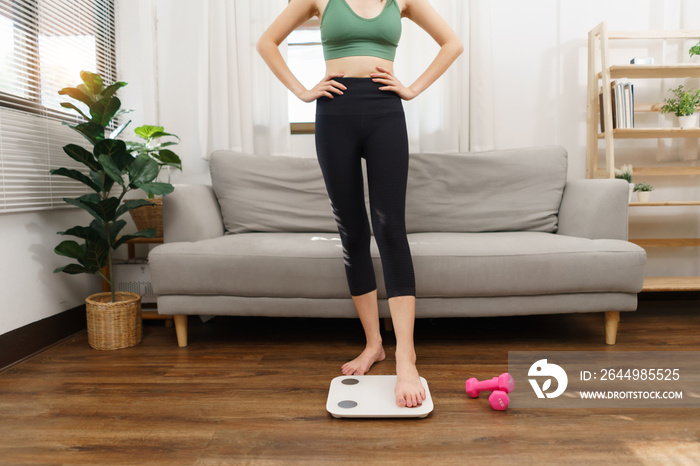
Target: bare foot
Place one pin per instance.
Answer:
(361, 364)
(409, 389)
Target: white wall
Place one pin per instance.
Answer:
(30, 290)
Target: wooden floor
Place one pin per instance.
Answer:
(253, 391)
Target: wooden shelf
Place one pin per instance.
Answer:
(656, 284)
(665, 203)
(601, 75)
(681, 70)
(653, 133)
(692, 34)
(643, 108)
(666, 242)
(657, 171)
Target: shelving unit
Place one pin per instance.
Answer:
(600, 75)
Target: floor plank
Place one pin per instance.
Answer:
(253, 391)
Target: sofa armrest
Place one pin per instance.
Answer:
(595, 209)
(191, 213)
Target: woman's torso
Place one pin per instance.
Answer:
(360, 65)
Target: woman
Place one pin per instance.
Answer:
(359, 114)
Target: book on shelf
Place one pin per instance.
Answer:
(622, 98)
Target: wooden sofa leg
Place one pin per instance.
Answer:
(181, 330)
(611, 320)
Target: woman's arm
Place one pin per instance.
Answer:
(423, 14)
(296, 13)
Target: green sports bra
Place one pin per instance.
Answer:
(344, 33)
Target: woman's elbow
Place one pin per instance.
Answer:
(459, 47)
(263, 44)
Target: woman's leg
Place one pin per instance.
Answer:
(368, 311)
(339, 154)
(386, 151)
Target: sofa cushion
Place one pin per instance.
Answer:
(506, 190)
(310, 265)
(270, 193)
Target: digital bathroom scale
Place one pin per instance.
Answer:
(371, 396)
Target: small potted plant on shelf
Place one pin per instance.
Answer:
(151, 216)
(625, 173)
(694, 50)
(683, 104)
(113, 318)
(643, 191)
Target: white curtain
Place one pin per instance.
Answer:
(456, 113)
(199, 75)
(241, 105)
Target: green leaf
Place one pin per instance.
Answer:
(81, 155)
(96, 253)
(97, 178)
(157, 188)
(76, 94)
(80, 232)
(91, 131)
(147, 131)
(92, 81)
(72, 269)
(116, 149)
(69, 105)
(143, 170)
(111, 168)
(97, 230)
(168, 157)
(114, 230)
(103, 112)
(162, 134)
(82, 202)
(84, 89)
(165, 144)
(105, 209)
(130, 205)
(70, 249)
(118, 131)
(147, 233)
(110, 90)
(76, 175)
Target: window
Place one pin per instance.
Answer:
(305, 59)
(44, 44)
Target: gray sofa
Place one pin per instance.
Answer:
(491, 234)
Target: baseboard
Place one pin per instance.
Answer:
(37, 336)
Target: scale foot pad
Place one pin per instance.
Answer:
(371, 396)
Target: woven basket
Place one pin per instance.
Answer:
(149, 216)
(114, 325)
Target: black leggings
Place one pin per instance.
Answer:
(370, 123)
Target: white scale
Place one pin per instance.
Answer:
(371, 396)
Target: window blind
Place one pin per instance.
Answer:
(44, 44)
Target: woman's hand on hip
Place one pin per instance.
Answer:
(384, 76)
(324, 88)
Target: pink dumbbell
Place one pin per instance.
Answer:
(499, 400)
(503, 382)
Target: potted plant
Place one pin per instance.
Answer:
(643, 191)
(694, 50)
(114, 318)
(151, 216)
(683, 104)
(625, 173)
